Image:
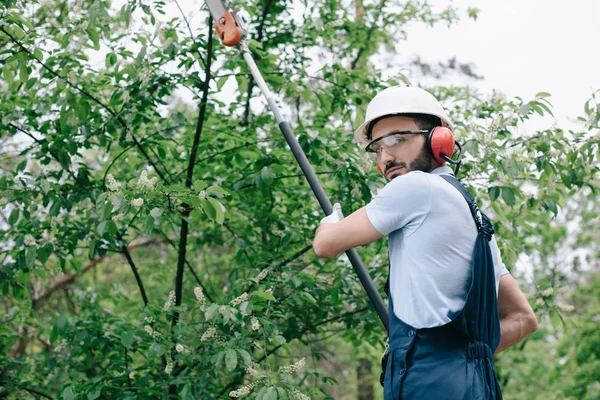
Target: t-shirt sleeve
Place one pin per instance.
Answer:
(499, 266)
(402, 204)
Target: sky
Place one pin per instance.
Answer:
(523, 47)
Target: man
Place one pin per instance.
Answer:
(452, 301)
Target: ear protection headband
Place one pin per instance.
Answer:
(440, 142)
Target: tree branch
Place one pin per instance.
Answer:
(138, 278)
(190, 173)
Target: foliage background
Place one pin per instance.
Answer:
(139, 162)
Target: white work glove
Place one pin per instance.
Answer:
(335, 216)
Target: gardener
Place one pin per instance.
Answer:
(452, 302)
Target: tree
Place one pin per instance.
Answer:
(156, 234)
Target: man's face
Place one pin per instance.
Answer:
(409, 154)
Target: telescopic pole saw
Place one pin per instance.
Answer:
(231, 32)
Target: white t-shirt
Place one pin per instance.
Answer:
(431, 240)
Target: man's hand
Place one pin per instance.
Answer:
(335, 216)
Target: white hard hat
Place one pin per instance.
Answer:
(401, 100)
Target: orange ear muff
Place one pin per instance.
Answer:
(379, 169)
(441, 143)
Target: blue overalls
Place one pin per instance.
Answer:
(453, 361)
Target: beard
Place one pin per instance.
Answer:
(422, 162)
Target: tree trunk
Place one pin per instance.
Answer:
(365, 379)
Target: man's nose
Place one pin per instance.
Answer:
(385, 156)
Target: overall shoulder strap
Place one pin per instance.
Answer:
(484, 225)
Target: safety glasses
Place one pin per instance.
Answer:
(390, 140)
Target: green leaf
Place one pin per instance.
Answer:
(95, 37)
(157, 350)
(263, 295)
(280, 339)
(127, 339)
(267, 176)
(141, 56)
(309, 297)
(30, 83)
(111, 59)
(199, 185)
(230, 359)
(14, 216)
(209, 209)
(95, 392)
(102, 228)
(30, 257)
(282, 394)
(211, 311)
(21, 166)
(219, 210)
(221, 82)
(542, 94)
(245, 356)
(107, 209)
(494, 192)
(68, 394)
(508, 195)
(59, 328)
(100, 203)
(217, 190)
(270, 394)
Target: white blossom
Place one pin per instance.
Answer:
(294, 367)
(118, 217)
(170, 301)
(111, 183)
(144, 182)
(145, 79)
(252, 368)
(199, 295)
(149, 330)
(255, 324)
(238, 300)
(202, 194)
(244, 390)
(29, 240)
(149, 319)
(179, 348)
(61, 346)
(137, 202)
(548, 292)
(300, 395)
(169, 367)
(566, 307)
(210, 333)
(262, 275)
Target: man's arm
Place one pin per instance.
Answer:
(352, 231)
(517, 319)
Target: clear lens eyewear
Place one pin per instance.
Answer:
(389, 141)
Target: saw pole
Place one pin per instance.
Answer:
(234, 35)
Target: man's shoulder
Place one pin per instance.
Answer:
(411, 179)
